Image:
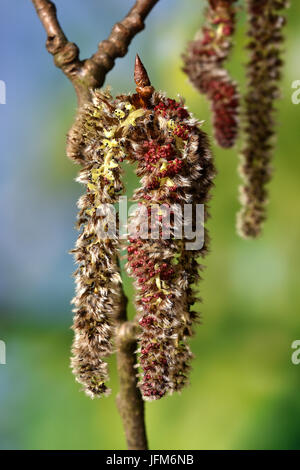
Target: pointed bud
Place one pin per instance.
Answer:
(141, 78)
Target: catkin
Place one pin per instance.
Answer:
(175, 167)
(204, 65)
(263, 71)
(98, 293)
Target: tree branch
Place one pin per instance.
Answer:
(129, 400)
(65, 53)
(122, 34)
(90, 73)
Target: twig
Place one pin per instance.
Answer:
(90, 73)
(129, 400)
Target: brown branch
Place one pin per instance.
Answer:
(65, 53)
(90, 73)
(122, 34)
(129, 400)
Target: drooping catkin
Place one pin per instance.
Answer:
(263, 71)
(175, 165)
(176, 168)
(98, 294)
(98, 141)
(204, 65)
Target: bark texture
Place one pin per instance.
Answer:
(129, 399)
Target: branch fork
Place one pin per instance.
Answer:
(90, 73)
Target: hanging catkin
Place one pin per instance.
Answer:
(175, 165)
(176, 168)
(204, 61)
(263, 71)
(98, 294)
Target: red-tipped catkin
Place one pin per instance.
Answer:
(175, 166)
(263, 71)
(204, 61)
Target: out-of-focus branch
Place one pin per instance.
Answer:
(122, 34)
(90, 73)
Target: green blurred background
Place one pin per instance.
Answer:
(244, 391)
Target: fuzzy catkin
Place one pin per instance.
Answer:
(98, 142)
(175, 166)
(263, 71)
(203, 63)
(98, 294)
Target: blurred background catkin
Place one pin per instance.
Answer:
(244, 391)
